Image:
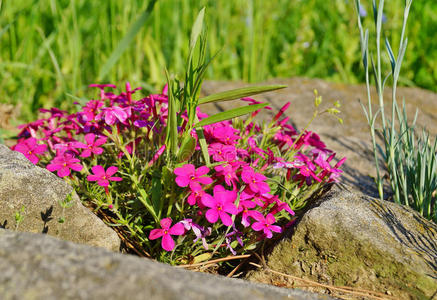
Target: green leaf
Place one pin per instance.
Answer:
(4, 29)
(202, 257)
(203, 145)
(230, 114)
(172, 126)
(187, 148)
(197, 29)
(126, 40)
(240, 93)
(156, 192)
(144, 198)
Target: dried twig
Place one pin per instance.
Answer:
(347, 290)
(227, 258)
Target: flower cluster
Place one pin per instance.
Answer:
(257, 177)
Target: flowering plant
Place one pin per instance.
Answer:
(179, 185)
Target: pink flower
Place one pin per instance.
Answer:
(243, 208)
(90, 110)
(195, 197)
(199, 231)
(63, 163)
(255, 180)
(30, 148)
(102, 87)
(220, 205)
(112, 114)
(221, 152)
(265, 224)
(279, 206)
(188, 175)
(103, 177)
(166, 232)
(228, 173)
(91, 146)
(226, 135)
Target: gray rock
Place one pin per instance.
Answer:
(39, 191)
(349, 239)
(352, 139)
(34, 266)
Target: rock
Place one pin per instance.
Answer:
(39, 191)
(350, 239)
(34, 266)
(352, 139)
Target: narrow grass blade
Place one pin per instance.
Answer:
(172, 130)
(197, 28)
(240, 93)
(127, 39)
(230, 114)
(4, 29)
(203, 145)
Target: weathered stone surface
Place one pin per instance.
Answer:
(34, 266)
(350, 239)
(352, 139)
(39, 191)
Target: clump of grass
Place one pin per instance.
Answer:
(410, 159)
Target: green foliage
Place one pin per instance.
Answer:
(410, 160)
(53, 47)
(65, 203)
(19, 217)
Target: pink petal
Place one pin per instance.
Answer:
(103, 182)
(275, 228)
(53, 167)
(111, 171)
(204, 180)
(23, 148)
(255, 214)
(177, 229)
(109, 118)
(97, 150)
(182, 181)
(40, 149)
(98, 170)
(195, 186)
(218, 189)
(76, 167)
(202, 171)
(86, 153)
(167, 242)
(192, 199)
(186, 170)
(211, 215)
(270, 219)
(64, 171)
(208, 200)
(226, 219)
(257, 226)
(156, 233)
(33, 158)
(100, 141)
(92, 177)
(115, 178)
(31, 142)
(230, 208)
(268, 233)
(166, 223)
(89, 138)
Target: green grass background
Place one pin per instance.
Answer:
(51, 48)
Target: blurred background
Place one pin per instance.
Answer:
(51, 50)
